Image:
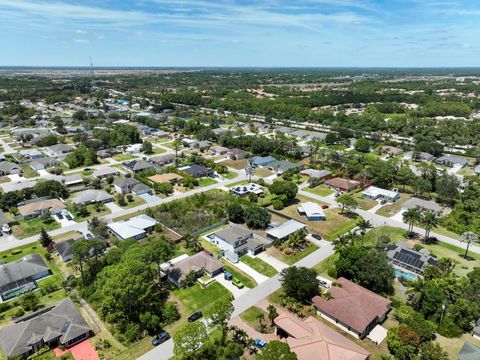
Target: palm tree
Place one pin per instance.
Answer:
(468, 237)
(412, 216)
(296, 241)
(364, 225)
(272, 313)
(429, 220)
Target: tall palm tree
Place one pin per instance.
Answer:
(469, 237)
(364, 225)
(412, 216)
(429, 221)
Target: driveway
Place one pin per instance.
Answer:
(236, 292)
(149, 198)
(398, 216)
(374, 209)
(114, 208)
(272, 261)
(43, 173)
(64, 221)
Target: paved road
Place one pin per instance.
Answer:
(250, 298)
(378, 220)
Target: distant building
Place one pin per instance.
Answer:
(284, 165)
(130, 185)
(8, 168)
(58, 150)
(262, 161)
(92, 196)
(65, 248)
(316, 174)
(452, 160)
(243, 190)
(236, 154)
(198, 171)
(165, 178)
(105, 172)
(137, 166)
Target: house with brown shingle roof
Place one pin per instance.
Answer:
(353, 308)
(340, 184)
(41, 207)
(311, 339)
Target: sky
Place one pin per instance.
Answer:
(263, 33)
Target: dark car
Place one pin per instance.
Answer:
(315, 236)
(195, 316)
(160, 338)
(60, 216)
(69, 217)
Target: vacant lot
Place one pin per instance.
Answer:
(320, 190)
(259, 265)
(236, 164)
(26, 228)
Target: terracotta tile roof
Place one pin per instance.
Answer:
(311, 339)
(353, 305)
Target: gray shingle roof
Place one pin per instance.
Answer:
(16, 272)
(61, 321)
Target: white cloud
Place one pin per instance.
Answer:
(82, 41)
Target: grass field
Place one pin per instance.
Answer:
(259, 265)
(395, 235)
(291, 259)
(206, 181)
(320, 190)
(322, 267)
(250, 316)
(196, 298)
(236, 164)
(463, 266)
(239, 274)
(365, 204)
(231, 175)
(241, 182)
(26, 228)
(263, 172)
(391, 209)
(92, 210)
(123, 157)
(27, 171)
(137, 200)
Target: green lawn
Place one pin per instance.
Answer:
(157, 150)
(27, 228)
(291, 259)
(239, 274)
(241, 182)
(92, 210)
(365, 204)
(230, 175)
(395, 235)
(137, 200)
(123, 157)
(196, 298)
(320, 190)
(259, 265)
(250, 316)
(21, 251)
(391, 209)
(322, 267)
(27, 171)
(463, 266)
(206, 181)
(210, 247)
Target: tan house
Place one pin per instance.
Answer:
(340, 184)
(41, 207)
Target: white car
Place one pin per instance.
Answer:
(6, 228)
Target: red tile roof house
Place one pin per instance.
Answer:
(340, 184)
(353, 308)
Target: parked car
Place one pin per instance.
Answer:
(324, 206)
(238, 283)
(87, 169)
(315, 236)
(89, 236)
(195, 316)
(69, 217)
(228, 275)
(259, 343)
(60, 216)
(383, 202)
(160, 338)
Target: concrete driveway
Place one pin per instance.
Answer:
(149, 198)
(236, 292)
(64, 221)
(114, 208)
(272, 261)
(259, 278)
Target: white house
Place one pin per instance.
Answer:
(135, 228)
(312, 211)
(375, 193)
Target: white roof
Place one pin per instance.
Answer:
(248, 188)
(311, 209)
(375, 191)
(286, 229)
(132, 227)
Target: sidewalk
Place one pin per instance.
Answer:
(272, 261)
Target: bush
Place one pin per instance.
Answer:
(277, 204)
(19, 312)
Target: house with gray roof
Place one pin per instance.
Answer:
(414, 203)
(21, 275)
(283, 231)
(201, 263)
(129, 185)
(61, 324)
(136, 166)
(65, 248)
(162, 160)
(316, 174)
(92, 196)
(105, 172)
(9, 168)
(421, 156)
(262, 161)
(469, 351)
(43, 163)
(282, 166)
(236, 241)
(58, 150)
(452, 160)
(403, 256)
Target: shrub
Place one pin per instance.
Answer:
(277, 204)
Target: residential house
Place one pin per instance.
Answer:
(262, 161)
(391, 150)
(21, 275)
(220, 131)
(219, 150)
(375, 193)
(405, 258)
(236, 241)
(107, 153)
(39, 207)
(58, 325)
(165, 178)
(236, 154)
(429, 205)
(312, 339)
(92, 196)
(353, 308)
(105, 172)
(9, 168)
(198, 171)
(17, 186)
(316, 174)
(452, 160)
(243, 190)
(58, 150)
(340, 185)
(65, 248)
(29, 154)
(312, 211)
(284, 165)
(43, 163)
(162, 160)
(135, 228)
(283, 231)
(137, 166)
(419, 156)
(201, 263)
(129, 185)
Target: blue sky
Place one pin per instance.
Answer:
(240, 32)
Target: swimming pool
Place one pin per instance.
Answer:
(405, 275)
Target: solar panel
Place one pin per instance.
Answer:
(408, 260)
